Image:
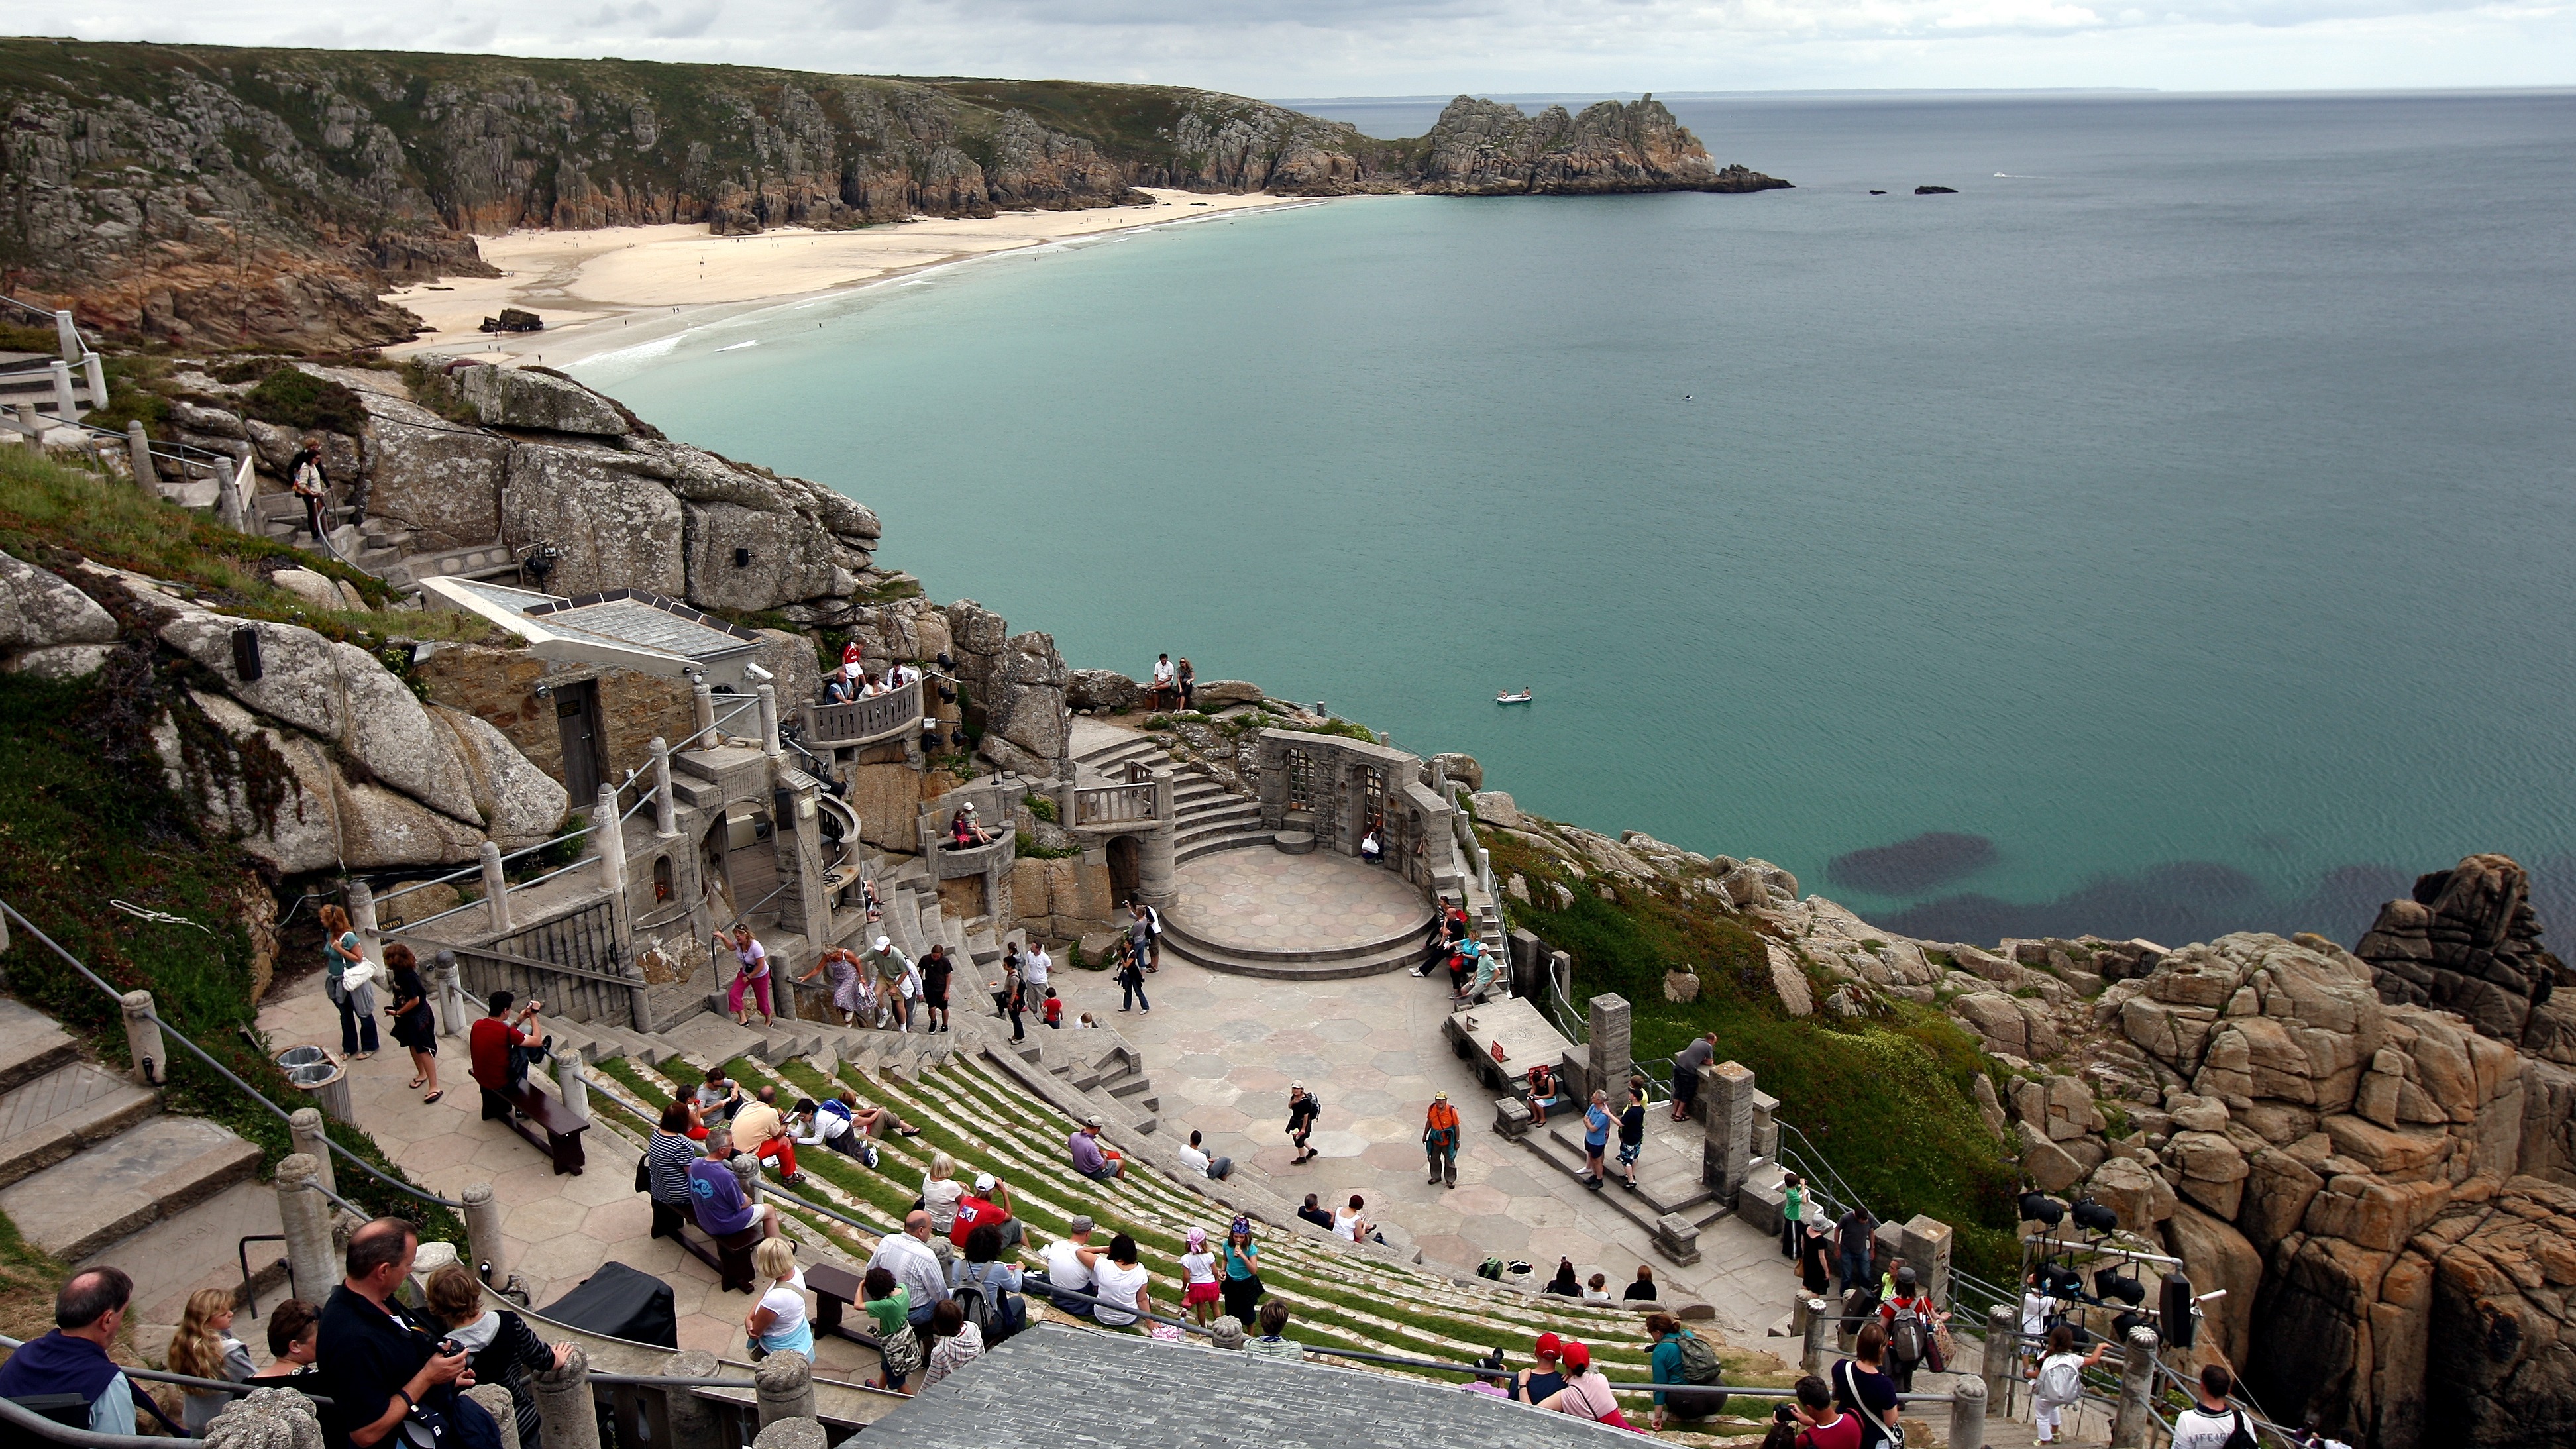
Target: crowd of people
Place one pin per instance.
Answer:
(1451, 943)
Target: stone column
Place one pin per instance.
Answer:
(138, 446)
(304, 1128)
(574, 1087)
(608, 837)
(483, 1234)
(1610, 1051)
(2135, 1425)
(66, 407)
(447, 993)
(1968, 1411)
(792, 1434)
(702, 717)
(1927, 1250)
(1811, 1353)
(801, 838)
(305, 1217)
(1162, 778)
(143, 1039)
(1726, 1144)
(362, 915)
(769, 721)
(496, 1402)
(783, 1384)
(67, 336)
(496, 889)
(693, 1419)
(232, 504)
(2003, 1325)
(666, 806)
(1157, 868)
(1766, 1126)
(95, 371)
(563, 1403)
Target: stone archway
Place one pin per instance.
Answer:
(1126, 870)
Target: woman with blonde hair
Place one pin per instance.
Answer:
(777, 1323)
(940, 1191)
(347, 975)
(204, 1348)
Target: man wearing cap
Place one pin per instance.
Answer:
(1538, 1384)
(1068, 1265)
(1586, 1394)
(1100, 1164)
(1303, 1109)
(885, 965)
(1440, 1139)
(990, 1202)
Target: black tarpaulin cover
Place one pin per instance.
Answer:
(620, 1302)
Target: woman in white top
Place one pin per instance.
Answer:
(1350, 1227)
(940, 1191)
(1121, 1279)
(777, 1323)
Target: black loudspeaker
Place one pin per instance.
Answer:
(2173, 1311)
(246, 666)
(2039, 1207)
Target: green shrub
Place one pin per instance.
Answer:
(293, 398)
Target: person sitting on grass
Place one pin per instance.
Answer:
(1118, 1282)
(1100, 1164)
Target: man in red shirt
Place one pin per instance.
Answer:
(1827, 1426)
(498, 1047)
(990, 1202)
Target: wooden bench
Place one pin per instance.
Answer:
(835, 1289)
(546, 1123)
(732, 1266)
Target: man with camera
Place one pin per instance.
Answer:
(378, 1366)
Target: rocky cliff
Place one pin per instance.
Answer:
(1487, 148)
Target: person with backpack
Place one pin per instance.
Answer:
(1440, 1139)
(1303, 1108)
(1864, 1391)
(2212, 1422)
(2057, 1384)
(986, 1287)
(1683, 1357)
(1911, 1321)
(1586, 1394)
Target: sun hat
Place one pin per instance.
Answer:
(881, 943)
(1440, 1096)
(1577, 1357)
(1550, 1346)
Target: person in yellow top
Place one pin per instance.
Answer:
(762, 1132)
(1440, 1139)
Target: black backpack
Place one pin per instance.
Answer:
(999, 1316)
(1906, 1339)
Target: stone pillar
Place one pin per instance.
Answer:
(1811, 1353)
(702, 717)
(1926, 1246)
(232, 503)
(792, 1434)
(362, 915)
(2003, 1327)
(95, 370)
(483, 1234)
(138, 447)
(800, 845)
(574, 1087)
(783, 1384)
(563, 1402)
(1968, 1412)
(447, 994)
(65, 406)
(608, 836)
(304, 1128)
(693, 1419)
(1162, 778)
(1607, 1065)
(2135, 1425)
(666, 806)
(496, 889)
(496, 1402)
(1766, 1126)
(67, 341)
(1157, 867)
(769, 721)
(305, 1217)
(143, 1040)
(1726, 1144)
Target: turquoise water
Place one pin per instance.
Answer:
(2183, 517)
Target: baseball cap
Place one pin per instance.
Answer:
(1550, 1345)
(1577, 1357)
(1091, 1121)
(983, 1182)
(881, 943)
(1077, 1224)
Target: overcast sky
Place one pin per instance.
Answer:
(1283, 48)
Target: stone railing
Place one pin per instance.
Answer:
(864, 721)
(1112, 804)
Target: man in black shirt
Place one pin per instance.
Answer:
(376, 1364)
(936, 969)
(1321, 1217)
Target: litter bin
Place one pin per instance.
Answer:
(320, 1076)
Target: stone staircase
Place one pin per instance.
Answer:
(379, 546)
(1211, 817)
(93, 1173)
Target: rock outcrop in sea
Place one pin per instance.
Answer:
(1489, 148)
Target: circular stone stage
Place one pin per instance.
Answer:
(1318, 916)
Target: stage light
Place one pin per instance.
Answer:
(2095, 1218)
(2039, 1207)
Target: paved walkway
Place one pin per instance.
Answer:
(1264, 900)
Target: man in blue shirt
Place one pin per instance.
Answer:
(1596, 1138)
(73, 1358)
(717, 1198)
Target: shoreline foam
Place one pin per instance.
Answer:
(616, 289)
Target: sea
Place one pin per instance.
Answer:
(2169, 530)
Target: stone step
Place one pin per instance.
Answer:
(710, 1040)
(31, 1044)
(1210, 812)
(69, 1108)
(1294, 842)
(200, 1248)
(1236, 839)
(109, 1192)
(1390, 958)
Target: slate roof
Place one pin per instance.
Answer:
(1075, 1389)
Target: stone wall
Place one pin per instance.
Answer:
(500, 685)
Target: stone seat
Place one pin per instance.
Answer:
(1294, 842)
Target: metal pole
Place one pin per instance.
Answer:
(563, 1402)
(304, 1128)
(305, 1217)
(483, 1234)
(610, 834)
(702, 717)
(1968, 1413)
(783, 1385)
(2003, 1325)
(496, 888)
(693, 1419)
(769, 721)
(1812, 1359)
(666, 806)
(64, 406)
(143, 1040)
(2135, 1422)
(138, 446)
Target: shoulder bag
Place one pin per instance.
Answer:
(1845, 1380)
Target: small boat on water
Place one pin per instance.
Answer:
(1521, 698)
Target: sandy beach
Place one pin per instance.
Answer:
(616, 287)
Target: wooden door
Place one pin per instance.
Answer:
(585, 753)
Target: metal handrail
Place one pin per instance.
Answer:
(159, 1376)
(28, 1421)
(225, 1072)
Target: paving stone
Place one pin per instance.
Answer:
(31, 1043)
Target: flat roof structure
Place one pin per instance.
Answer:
(631, 628)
